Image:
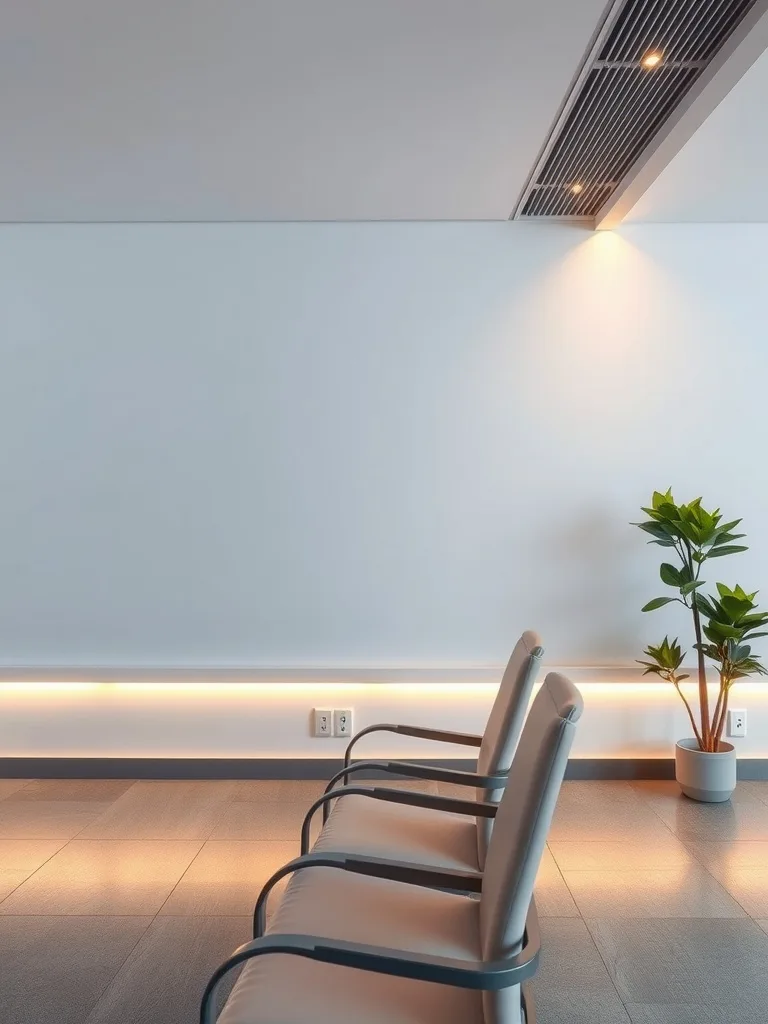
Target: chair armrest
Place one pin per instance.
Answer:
(374, 867)
(420, 732)
(476, 808)
(471, 974)
(418, 771)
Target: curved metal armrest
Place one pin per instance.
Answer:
(417, 771)
(374, 867)
(471, 974)
(420, 732)
(476, 808)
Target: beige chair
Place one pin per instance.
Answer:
(420, 827)
(352, 948)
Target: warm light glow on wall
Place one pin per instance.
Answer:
(634, 718)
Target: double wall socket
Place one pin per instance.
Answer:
(332, 723)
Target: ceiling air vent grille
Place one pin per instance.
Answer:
(645, 58)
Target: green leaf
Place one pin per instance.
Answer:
(657, 602)
(734, 608)
(726, 538)
(727, 527)
(705, 605)
(717, 632)
(660, 535)
(688, 588)
(669, 512)
(691, 532)
(669, 575)
(727, 549)
(660, 498)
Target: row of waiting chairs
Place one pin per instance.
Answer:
(413, 908)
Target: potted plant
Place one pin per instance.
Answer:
(723, 628)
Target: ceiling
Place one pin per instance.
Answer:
(720, 173)
(279, 109)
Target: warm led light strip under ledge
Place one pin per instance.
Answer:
(635, 718)
(289, 691)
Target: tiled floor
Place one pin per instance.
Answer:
(117, 899)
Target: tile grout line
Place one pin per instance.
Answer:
(66, 843)
(722, 885)
(607, 967)
(129, 954)
(122, 966)
(105, 990)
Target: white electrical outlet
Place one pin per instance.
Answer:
(342, 722)
(737, 722)
(322, 722)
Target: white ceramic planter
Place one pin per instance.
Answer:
(710, 778)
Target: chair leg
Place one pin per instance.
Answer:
(528, 1001)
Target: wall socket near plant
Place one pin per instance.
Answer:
(737, 723)
(337, 722)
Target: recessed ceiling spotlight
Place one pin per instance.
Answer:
(652, 59)
(576, 189)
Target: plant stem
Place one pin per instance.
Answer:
(716, 712)
(723, 712)
(704, 696)
(690, 713)
(703, 693)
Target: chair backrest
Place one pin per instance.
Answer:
(520, 831)
(505, 722)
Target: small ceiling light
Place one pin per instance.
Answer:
(576, 189)
(652, 59)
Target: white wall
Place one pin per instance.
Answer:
(370, 448)
(364, 444)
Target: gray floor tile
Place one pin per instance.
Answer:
(666, 792)
(226, 877)
(687, 891)
(741, 867)
(620, 855)
(587, 794)
(417, 786)
(606, 821)
(20, 857)
(720, 857)
(103, 790)
(755, 790)
(579, 1007)
(552, 896)
(711, 1012)
(459, 792)
(749, 888)
(10, 786)
(764, 925)
(54, 969)
(690, 961)
(572, 962)
(742, 817)
(104, 877)
(164, 810)
(255, 820)
(164, 978)
(270, 790)
(46, 819)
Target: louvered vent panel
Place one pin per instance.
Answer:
(620, 103)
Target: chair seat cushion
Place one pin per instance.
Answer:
(419, 835)
(282, 989)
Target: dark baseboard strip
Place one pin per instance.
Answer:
(308, 768)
